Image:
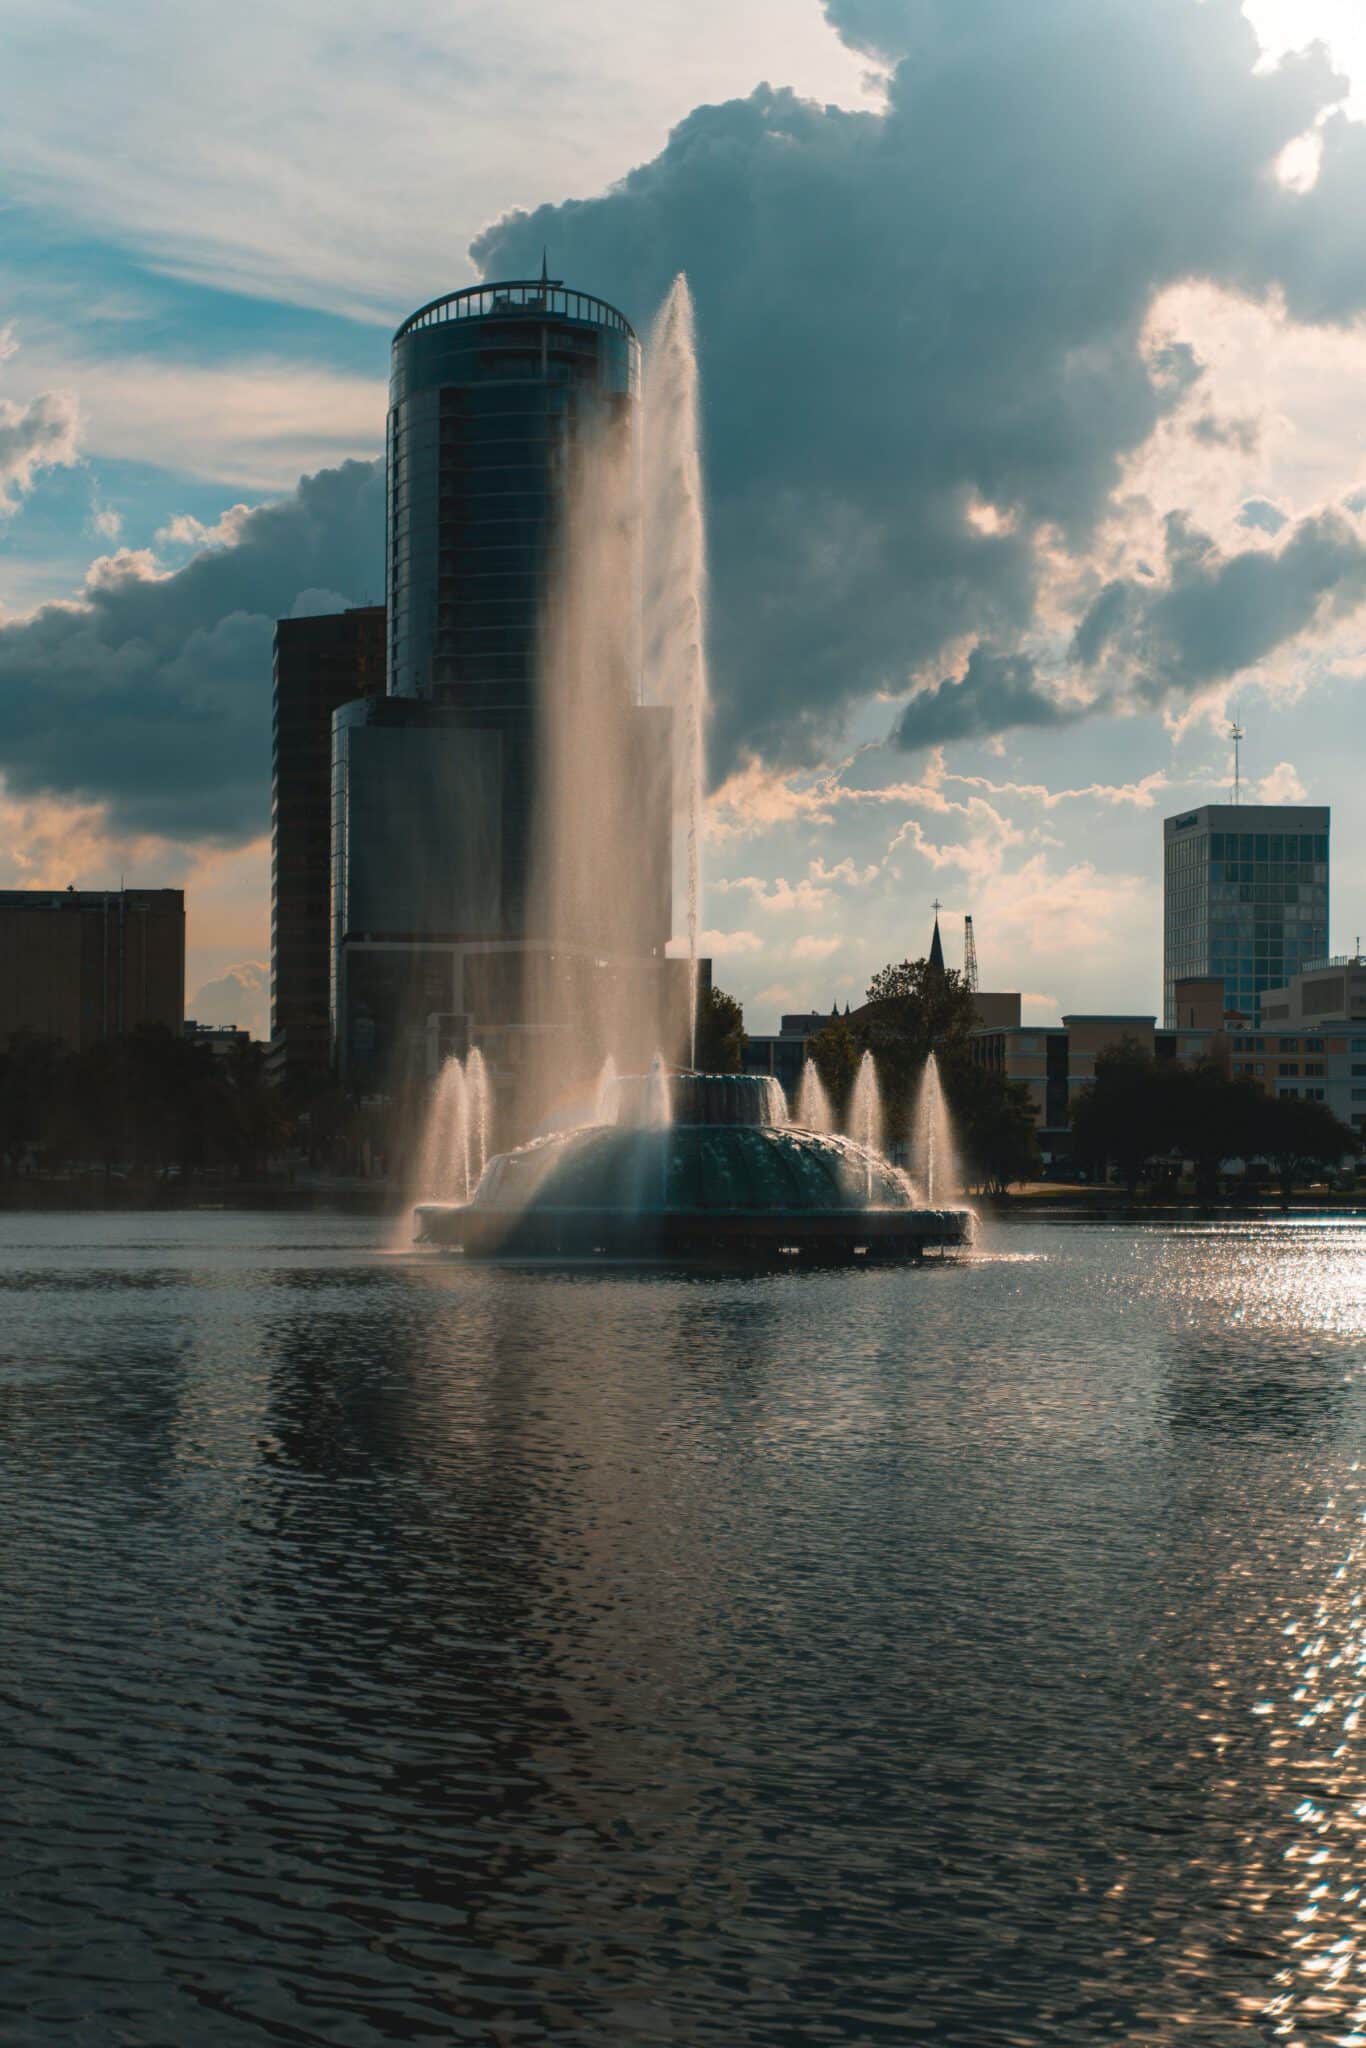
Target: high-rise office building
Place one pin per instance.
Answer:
(494, 392)
(79, 965)
(320, 663)
(1245, 898)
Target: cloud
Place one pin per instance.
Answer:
(1217, 615)
(1261, 516)
(43, 434)
(240, 995)
(814, 947)
(153, 693)
(846, 871)
(185, 531)
(1242, 435)
(121, 127)
(251, 423)
(994, 691)
(898, 328)
(1282, 785)
(727, 945)
(125, 565)
(778, 895)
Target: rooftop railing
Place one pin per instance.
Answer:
(520, 295)
(1333, 960)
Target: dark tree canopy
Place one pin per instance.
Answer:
(721, 1036)
(1139, 1115)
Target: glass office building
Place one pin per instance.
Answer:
(1245, 898)
(494, 392)
(489, 389)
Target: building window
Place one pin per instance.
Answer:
(1288, 1067)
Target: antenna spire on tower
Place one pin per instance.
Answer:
(969, 955)
(1237, 735)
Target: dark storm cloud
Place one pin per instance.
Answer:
(155, 696)
(994, 692)
(1217, 614)
(903, 313)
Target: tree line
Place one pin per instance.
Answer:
(1140, 1117)
(149, 1103)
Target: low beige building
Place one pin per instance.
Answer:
(1056, 1061)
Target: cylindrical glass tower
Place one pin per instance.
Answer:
(490, 387)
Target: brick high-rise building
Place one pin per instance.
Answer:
(320, 664)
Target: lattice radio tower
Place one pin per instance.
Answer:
(969, 955)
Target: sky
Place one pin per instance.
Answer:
(1034, 378)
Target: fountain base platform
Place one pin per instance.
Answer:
(694, 1167)
(839, 1238)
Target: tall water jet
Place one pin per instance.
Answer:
(675, 582)
(813, 1104)
(443, 1160)
(865, 1123)
(604, 1104)
(937, 1166)
(479, 1107)
(658, 1095)
(621, 697)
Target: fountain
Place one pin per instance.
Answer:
(638, 1155)
(675, 580)
(456, 1138)
(718, 1173)
(865, 1110)
(813, 1111)
(934, 1152)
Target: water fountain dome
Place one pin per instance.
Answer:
(693, 1166)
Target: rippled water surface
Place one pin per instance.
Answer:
(393, 1651)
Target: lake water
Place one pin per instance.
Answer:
(398, 1652)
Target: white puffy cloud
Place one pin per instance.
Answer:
(240, 996)
(1280, 785)
(721, 945)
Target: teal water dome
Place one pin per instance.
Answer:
(693, 1166)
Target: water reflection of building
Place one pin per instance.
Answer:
(434, 794)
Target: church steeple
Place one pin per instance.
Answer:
(936, 943)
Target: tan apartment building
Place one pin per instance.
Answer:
(79, 965)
